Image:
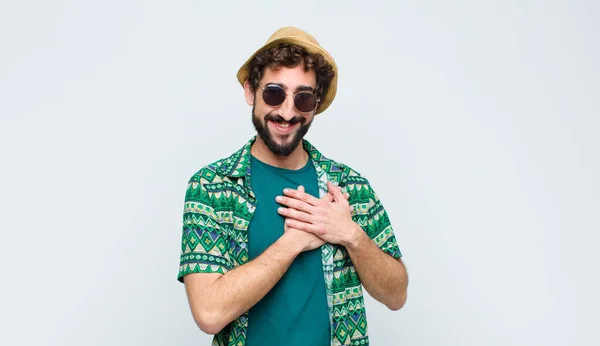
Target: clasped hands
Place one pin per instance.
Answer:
(327, 219)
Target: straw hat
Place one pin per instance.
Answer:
(303, 39)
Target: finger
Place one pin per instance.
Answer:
(333, 186)
(328, 197)
(302, 226)
(295, 214)
(301, 195)
(335, 191)
(295, 204)
(301, 189)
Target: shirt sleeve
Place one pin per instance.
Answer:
(369, 213)
(204, 244)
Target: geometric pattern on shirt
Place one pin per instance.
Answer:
(218, 208)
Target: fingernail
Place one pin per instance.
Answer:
(278, 198)
(280, 209)
(286, 190)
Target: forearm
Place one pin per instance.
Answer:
(383, 276)
(239, 289)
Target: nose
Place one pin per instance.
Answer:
(287, 108)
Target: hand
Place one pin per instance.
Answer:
(329, 196)
(308, 241)
(328, 218)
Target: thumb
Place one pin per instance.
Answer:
(335, 191)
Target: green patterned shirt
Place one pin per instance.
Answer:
(219, 205)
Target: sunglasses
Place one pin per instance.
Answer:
(304, 101)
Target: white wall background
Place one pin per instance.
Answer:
(481, 119)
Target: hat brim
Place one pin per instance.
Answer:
(311, 48)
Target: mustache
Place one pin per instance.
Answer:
(279, 118)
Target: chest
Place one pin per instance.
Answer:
(266, 224)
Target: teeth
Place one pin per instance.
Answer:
(283, 124)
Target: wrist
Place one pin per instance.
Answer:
(288, 245)
(355, 237)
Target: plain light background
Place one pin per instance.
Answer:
(476, 122)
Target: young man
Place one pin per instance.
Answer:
(279, 240)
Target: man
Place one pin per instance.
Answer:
(278, 240)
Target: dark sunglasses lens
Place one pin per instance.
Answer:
(305, 102)
(273, 95)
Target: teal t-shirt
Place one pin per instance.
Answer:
(295, 311)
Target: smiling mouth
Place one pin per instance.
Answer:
(283, 126)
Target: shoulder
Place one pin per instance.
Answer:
(208, 183)
(224, 169)
(350, 180)
(197, 197)
(341, 172)
(205, 182)
(208, 174)
(232, 166)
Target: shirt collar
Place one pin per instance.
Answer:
(238, 164)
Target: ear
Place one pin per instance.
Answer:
(248, 93)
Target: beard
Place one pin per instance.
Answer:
(286, 148)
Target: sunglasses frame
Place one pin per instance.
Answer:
(290, 94)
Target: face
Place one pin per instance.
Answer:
(282, 127)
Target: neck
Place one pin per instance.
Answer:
(296, 160)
